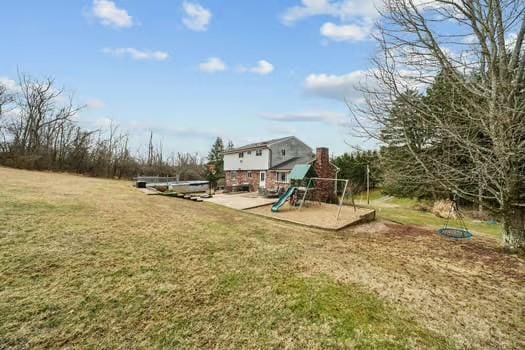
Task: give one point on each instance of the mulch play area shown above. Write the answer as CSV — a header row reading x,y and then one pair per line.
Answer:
x,y
318,215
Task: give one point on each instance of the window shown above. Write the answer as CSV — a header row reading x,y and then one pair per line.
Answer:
x,y
283,152
263,176
241,155
249,153
250,174
258,152
282,177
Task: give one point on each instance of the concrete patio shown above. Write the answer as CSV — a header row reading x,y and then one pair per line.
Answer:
x,y
322,216
240,201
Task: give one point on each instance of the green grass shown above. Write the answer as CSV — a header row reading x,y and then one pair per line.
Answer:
x,y
402,210
375,194
356,318
409,216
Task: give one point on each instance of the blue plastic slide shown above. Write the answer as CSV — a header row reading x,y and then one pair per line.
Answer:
x,y
283,199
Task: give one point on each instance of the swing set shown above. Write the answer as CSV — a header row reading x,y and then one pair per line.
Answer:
x,y
310,188
455,233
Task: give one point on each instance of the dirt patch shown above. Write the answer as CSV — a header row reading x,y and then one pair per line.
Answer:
x,y
374,228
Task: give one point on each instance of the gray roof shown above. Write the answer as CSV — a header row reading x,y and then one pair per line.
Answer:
x,y
290,163
255,145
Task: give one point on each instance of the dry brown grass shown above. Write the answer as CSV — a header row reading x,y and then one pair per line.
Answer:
x,y
442,209
95,263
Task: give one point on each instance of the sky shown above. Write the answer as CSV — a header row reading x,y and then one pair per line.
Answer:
x,y
190,71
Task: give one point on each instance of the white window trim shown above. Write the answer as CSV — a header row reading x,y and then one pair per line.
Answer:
x,y
279,177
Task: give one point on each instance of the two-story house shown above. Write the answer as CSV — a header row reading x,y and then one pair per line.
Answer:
x,y
264,165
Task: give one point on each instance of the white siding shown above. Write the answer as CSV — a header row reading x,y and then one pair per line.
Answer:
x,y
248,162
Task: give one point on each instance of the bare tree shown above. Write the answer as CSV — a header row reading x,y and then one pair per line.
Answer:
x,y
475,144
188,166
7,99
38,130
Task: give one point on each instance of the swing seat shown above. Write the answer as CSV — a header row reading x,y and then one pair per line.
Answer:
x,y
454,233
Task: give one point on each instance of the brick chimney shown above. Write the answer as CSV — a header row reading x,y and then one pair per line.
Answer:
x,y
323,168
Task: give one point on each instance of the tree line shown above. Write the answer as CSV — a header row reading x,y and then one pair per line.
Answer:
x,y
353,166
39,130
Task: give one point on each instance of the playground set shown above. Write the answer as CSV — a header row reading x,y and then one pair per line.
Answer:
x,y
316,202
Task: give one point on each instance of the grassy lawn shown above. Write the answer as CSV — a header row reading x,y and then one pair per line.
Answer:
x,y
93,263
402,210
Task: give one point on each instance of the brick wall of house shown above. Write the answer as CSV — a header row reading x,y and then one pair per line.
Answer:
x,y
324,189
241,177
324,169
273,184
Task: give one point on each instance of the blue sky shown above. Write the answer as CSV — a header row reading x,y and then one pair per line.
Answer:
x,y
244,70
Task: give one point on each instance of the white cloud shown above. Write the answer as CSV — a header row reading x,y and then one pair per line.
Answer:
x,y
356,17
171,131
110,15
136,54
138,127
510,40
326,117
95,104
351,32
343,10
469,39
281,129
196,18
337,87
263,67
213,65
103,123
10,85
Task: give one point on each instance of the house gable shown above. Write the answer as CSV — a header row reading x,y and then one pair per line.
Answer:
x,y
287,149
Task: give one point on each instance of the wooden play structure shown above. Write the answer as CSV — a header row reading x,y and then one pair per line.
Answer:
x,y
307,187
310,187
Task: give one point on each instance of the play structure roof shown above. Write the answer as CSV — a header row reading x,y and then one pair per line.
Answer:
x,y
300,171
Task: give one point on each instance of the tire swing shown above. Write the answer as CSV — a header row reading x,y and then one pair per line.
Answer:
x,y
451,232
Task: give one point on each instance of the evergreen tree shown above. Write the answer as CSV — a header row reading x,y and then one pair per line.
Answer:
x,y
353,167
402,179
406,131
215,168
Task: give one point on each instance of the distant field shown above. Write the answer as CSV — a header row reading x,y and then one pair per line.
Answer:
x,y
93,263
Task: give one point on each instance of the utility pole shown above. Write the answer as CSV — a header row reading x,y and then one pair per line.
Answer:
x,y
367,184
